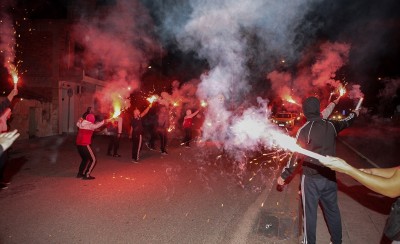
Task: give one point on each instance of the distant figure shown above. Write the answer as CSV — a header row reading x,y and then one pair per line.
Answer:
x,y
150,125
187,126
83,142
136,132
114,128
162,128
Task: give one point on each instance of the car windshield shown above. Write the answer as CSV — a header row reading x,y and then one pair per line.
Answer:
x,y
283,116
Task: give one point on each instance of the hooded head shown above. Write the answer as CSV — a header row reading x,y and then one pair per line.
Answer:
x,y
311,108
90,118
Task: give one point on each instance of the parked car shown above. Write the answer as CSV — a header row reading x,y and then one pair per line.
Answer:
x,y
336,116
284,119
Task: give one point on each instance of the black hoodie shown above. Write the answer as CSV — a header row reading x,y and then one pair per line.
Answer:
x,y
317,135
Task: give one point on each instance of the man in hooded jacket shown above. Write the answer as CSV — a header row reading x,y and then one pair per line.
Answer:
x,y
86,127
318,183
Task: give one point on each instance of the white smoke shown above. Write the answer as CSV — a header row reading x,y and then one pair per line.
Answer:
x,y
7,37
218,31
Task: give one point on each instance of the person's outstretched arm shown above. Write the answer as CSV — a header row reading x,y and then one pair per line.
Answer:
x,y
146,110
192,114
388,186
329,109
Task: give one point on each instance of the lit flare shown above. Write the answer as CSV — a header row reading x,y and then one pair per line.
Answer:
x,y
289,143
117,110
359,103
152,99
289,99
342,90
14,75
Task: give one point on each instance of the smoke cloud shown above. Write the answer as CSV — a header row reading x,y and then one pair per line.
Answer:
x,y
223,32
7,37
119,40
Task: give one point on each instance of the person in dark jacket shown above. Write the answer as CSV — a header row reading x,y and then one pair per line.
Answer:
x,y
136,132
162,128
83,142
318,183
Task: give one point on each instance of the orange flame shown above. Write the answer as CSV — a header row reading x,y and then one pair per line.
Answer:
x,y
342,90
289,99
117,110
14,75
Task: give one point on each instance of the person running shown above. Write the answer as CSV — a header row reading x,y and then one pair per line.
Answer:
x,y
136,132
83,142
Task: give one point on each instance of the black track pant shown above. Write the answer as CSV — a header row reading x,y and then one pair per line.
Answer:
x,y
3,163
188,136
113,145
88,160
315,189
163,140
136,146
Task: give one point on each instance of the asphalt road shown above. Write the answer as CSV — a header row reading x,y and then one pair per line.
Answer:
x,y
195,195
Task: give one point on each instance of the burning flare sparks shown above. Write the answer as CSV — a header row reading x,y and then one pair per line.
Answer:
x,y
14,75
342,90
152,98
289,143
289,99
117,110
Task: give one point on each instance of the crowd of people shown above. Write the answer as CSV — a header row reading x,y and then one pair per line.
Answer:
x,y
114,126
318,134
